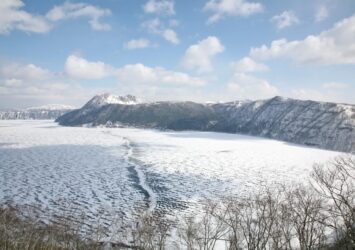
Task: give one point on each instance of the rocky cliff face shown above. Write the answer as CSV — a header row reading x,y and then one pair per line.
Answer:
x,y
320,124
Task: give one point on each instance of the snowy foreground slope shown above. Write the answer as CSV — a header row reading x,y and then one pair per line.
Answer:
x,y
319,124
116,173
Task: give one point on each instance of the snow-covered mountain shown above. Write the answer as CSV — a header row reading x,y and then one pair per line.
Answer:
x,y
321,124
47,112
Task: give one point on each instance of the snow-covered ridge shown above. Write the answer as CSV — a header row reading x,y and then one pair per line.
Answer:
x,y
106,98
318,124
46,112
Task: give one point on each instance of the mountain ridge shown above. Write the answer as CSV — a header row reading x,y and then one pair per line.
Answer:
x,y
320,124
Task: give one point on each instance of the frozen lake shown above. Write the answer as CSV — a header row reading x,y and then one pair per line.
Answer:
x,y
122,171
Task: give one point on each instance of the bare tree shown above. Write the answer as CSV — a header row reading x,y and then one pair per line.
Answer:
x,y
232,220
257,219
335,182
188,233
250,221
282,232
307,218
150,232
213,228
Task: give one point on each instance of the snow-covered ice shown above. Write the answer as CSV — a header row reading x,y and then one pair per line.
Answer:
x,y
122,171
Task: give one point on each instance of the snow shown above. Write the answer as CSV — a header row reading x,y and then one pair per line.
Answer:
x,y
123,171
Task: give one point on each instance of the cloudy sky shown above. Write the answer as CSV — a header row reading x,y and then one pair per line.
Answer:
x,y
57,51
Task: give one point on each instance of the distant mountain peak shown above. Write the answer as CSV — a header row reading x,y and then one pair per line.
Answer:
x,y
107,98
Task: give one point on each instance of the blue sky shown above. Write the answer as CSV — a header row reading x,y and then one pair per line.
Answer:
x,y
59,51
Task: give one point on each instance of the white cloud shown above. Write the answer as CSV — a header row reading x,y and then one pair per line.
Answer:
x,y
308,94
223,8
285,19
141,74
171,36
80,68
328,92
155,26
13,83
12,17
244,86
23,85
199,56
249,65
34,94
140,43
319,94
165,7
30,85
75,10
20,71
334,46
173,23
335,85
14,75
321,13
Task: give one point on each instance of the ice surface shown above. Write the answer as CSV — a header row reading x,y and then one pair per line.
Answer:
x,y
123,170
59,168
